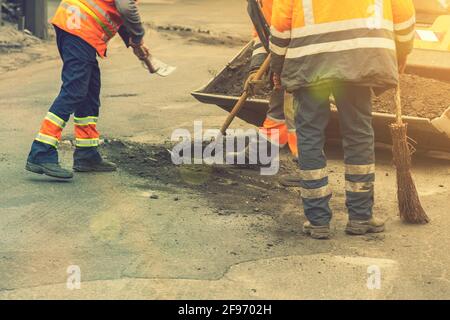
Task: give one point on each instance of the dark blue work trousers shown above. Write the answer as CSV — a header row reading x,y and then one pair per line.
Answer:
x,y
79,95
354,106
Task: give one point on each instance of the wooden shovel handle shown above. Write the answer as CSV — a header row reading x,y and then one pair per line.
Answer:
x,y
258,76
149,65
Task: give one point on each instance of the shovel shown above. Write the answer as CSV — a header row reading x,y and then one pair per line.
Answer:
x,y
158,67
443,123
245,95
153,65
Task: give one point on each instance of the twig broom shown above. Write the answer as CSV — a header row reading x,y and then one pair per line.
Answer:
x,y
411,210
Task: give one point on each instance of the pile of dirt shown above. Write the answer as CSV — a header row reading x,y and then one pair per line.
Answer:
x,y
229,189
12,40
421,97
197,35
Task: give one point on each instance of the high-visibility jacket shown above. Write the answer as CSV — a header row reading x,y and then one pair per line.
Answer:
x,y
94,21
259,52
327,41
280,130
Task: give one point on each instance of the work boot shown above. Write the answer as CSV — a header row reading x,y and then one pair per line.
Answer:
x,y
317,232
94,166
49,169
358,227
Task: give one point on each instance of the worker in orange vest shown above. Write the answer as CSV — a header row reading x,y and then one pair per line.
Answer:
x,y
278,127
83,29
347,49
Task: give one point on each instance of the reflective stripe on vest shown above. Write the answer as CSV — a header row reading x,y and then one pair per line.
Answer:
x,y
93,15
308,10
336,36
104,14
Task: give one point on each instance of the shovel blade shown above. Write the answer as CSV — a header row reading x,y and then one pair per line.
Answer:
x,y
443,123
162,69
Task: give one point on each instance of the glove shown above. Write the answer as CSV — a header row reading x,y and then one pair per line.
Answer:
x,y
276,81
140,50
254,86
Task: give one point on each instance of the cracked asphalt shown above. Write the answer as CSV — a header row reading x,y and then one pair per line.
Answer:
x,y
129,245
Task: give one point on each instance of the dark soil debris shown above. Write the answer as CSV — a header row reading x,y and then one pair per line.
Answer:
x,y
246,187
421,97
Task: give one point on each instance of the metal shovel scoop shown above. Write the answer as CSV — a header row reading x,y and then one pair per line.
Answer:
x,y
443,123
156,66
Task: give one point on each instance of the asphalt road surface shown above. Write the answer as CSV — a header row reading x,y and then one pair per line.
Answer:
x,y
132,235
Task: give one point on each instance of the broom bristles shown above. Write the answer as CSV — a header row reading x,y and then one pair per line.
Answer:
x,y
411,210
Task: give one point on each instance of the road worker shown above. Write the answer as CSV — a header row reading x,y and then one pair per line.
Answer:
x,y
83,29
343,48
278,127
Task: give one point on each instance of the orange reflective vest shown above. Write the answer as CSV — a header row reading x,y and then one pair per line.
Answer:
x,y
94,21
328,41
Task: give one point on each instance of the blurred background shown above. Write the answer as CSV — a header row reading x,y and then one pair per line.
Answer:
x,y
32,15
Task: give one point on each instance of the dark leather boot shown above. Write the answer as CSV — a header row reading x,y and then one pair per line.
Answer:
x,y
90,166
49,169
355,227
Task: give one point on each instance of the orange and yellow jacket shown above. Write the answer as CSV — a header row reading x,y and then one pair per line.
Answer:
x,y
97,21
317,42
259,52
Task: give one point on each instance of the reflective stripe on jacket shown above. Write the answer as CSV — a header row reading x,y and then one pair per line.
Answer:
x,y
94,21
323,41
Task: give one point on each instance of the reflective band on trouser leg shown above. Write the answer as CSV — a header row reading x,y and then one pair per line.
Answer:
x,y
87,143
316,194
85,121
275,132
53,118
86,132
51,130
47,140
359,186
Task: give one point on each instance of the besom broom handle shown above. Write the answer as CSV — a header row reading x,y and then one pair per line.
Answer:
x,y
262,70
398,104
